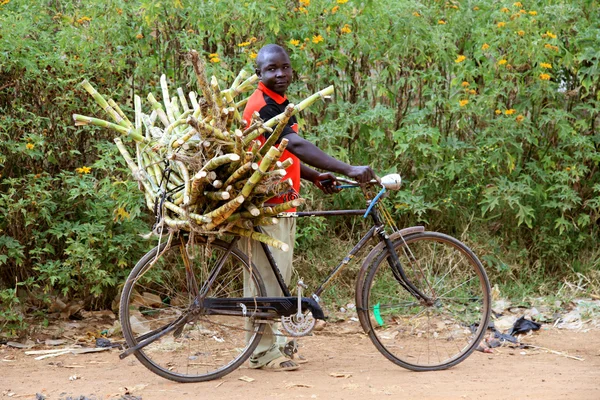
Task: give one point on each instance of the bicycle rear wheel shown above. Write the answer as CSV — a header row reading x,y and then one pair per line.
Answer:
x,y
156,296
408,331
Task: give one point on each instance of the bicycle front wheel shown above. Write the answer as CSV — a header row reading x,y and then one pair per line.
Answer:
x,y
158,295
442,331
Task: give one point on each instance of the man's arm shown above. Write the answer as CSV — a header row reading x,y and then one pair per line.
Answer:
x,y
310,154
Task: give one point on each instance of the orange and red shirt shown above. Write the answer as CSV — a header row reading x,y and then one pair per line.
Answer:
x,y
270,104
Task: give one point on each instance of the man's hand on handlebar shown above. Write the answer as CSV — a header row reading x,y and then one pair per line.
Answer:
x,y
327,183
362,174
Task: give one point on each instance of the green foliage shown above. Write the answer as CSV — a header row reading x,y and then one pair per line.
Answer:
x,y
489,110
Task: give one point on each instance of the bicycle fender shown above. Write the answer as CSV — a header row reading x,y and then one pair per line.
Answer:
x,y
362,313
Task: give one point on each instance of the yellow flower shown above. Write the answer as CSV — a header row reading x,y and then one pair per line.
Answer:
x,y
441,22
215,60
243,44
213,55
550,34
533,13
498,112
463,103
501,24
303,10
83,170
521,33
475,8
460,59
518,4
546,65
119,11
83,20
510,111
522,12
505,10
294,42
305,3
335,9
30,146
342,1
346,29
252,39
253,55
416,14
465,84
318,38
472,91
519,118
502,62
121,214
4,2
545,77
485,46
139,36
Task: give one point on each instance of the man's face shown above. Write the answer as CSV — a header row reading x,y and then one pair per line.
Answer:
x,y
275,72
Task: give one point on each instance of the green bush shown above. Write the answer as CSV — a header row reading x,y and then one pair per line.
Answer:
x,y
489,110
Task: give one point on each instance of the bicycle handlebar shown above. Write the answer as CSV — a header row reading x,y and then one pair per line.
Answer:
x,y
390,182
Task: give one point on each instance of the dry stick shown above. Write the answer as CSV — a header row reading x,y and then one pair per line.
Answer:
x,y
199,70
560,353
104,104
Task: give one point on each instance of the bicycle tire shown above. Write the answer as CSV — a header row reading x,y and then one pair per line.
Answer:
x,y
415,335
155,295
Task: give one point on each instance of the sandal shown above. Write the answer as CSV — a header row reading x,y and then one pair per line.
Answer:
x,y
278,364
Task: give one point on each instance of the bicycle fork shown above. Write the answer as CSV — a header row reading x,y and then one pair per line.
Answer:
x,y
398,271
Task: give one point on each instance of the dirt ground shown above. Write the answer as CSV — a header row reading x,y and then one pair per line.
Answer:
x,y
343,364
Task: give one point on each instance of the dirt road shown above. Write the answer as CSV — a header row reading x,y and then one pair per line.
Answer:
x,y
343,365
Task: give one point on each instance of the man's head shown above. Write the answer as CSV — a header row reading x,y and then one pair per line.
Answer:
x,y
274,68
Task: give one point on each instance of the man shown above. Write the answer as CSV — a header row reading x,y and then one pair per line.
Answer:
x,y
274,70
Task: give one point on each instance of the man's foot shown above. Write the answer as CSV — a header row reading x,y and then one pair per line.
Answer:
x,y
280,363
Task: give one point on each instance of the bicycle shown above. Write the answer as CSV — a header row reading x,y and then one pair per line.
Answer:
x,y
422,297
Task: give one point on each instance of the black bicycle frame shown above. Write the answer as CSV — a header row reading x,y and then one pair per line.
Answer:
x,y
377,228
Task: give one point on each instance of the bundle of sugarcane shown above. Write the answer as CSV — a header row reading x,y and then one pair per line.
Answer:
x,y
199,164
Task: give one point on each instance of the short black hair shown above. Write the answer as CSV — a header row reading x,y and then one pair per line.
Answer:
x,y
268,49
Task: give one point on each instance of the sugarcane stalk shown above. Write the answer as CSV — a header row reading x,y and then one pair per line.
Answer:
x,y
242,75
104,104
116,107
241,172
251,208
259,173
209,130
261,237
217,195
274,210
222,213
183,100
166,98
157,107
81,120
272,139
